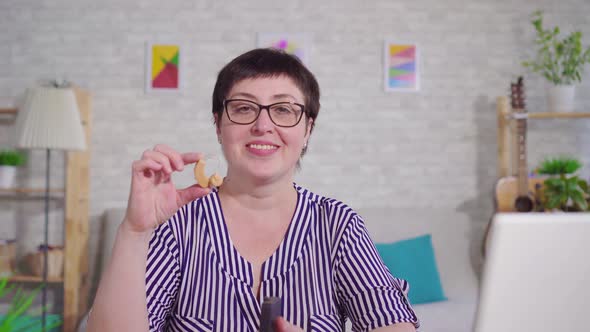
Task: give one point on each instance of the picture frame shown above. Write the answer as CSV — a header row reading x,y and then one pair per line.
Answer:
x,y
401,68
292,43
163,67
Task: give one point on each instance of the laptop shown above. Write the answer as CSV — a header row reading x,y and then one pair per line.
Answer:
x,y
536,277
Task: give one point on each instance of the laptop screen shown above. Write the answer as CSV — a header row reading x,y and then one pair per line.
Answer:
x,y
537,274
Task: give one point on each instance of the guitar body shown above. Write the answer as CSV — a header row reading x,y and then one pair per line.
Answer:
x,y
507,198
506,194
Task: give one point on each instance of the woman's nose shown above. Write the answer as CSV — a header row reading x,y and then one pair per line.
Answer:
x,y
263,123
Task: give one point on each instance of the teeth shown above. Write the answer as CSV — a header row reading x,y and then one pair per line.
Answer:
x,y
262,147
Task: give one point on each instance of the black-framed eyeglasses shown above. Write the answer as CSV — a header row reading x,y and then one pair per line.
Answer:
x,y
283,114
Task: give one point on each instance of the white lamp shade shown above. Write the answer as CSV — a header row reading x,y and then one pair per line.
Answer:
x,y
50,119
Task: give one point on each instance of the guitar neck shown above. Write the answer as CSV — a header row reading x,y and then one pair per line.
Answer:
x,y
521,129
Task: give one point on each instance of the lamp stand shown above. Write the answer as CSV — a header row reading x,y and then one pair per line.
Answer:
x,y
46,240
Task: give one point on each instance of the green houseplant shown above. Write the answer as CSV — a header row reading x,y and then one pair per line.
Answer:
x,y
9,161
563,190
16,318
559,60
11,158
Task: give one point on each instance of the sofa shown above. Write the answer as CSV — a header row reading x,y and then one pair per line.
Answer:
x,y
456,240
455,243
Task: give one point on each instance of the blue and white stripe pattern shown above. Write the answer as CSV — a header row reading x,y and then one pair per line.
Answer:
x,y
325,270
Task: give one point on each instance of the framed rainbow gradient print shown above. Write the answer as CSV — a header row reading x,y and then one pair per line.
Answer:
x,y
401,69
163,67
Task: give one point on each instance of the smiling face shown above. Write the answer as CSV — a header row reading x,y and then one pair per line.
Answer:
x,y
262,150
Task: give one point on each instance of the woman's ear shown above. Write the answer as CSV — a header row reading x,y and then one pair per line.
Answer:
x,y
216,120
308,128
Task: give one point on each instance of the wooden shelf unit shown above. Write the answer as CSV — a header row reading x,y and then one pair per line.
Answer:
x,y
548,115
35,279
31,193
76,283
30,190
77,213
12,111
507,165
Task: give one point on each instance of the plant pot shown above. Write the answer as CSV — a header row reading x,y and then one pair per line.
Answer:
x,y
560,98
7,177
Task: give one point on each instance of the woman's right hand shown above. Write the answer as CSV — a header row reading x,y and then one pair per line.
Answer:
x,y
281,325
153,198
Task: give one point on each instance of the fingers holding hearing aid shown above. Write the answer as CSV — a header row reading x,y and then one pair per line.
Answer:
x,y
168,159
153,196
173,158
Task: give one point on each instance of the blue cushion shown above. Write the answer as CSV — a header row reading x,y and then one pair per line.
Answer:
x,y
413,260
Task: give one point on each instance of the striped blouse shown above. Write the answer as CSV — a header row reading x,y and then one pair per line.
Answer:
x,y
325,270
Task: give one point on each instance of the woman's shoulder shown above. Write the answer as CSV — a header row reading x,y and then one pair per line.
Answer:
x,y
199,202
333,209
203,207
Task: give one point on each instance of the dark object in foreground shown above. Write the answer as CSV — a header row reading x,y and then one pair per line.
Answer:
x,y
272,308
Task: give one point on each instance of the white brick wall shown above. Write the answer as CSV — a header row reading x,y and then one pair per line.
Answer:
x,y
370,148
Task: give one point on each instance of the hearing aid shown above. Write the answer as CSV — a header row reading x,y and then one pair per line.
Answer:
x,y
214,180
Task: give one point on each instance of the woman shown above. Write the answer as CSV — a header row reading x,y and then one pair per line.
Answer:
x,y
217,253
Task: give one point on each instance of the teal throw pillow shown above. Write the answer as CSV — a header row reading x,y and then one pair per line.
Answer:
x,y
413,260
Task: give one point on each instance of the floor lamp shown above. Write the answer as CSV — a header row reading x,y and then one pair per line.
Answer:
x,y
49,120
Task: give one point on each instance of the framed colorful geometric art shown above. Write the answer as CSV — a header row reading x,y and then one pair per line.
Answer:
x,y
292,43
401,69
163,67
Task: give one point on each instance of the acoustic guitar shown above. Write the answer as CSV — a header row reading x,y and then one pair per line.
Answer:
x,y
517,193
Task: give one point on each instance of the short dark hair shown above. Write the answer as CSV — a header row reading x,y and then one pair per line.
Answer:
x,y
267,62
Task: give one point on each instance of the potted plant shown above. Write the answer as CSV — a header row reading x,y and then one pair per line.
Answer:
x,y
17,318
563,190
9,161
560,61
